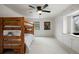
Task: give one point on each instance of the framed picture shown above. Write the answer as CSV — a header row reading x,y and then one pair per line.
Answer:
x,y
37,25
46,25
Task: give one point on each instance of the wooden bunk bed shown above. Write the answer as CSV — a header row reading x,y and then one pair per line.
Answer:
x,y
29,26
11,41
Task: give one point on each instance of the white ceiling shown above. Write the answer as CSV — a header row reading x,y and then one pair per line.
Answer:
x,y
31,13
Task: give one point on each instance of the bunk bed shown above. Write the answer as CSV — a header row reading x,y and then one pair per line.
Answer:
x,y
9,40
13,34
29,26
29,32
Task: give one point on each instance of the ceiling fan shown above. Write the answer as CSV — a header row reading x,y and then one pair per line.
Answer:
x,y
40,9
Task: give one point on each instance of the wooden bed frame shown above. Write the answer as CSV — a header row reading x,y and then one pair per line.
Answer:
x,y
29,26
19,46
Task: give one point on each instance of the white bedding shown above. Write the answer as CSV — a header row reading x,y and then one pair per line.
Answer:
x,y
28,39
15,32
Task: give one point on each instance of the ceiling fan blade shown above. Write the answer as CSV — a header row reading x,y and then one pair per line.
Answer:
x,y
46,11
45,6
32,6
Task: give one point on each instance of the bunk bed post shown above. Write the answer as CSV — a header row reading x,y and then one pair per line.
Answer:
x,y
22,36
32,29
1,35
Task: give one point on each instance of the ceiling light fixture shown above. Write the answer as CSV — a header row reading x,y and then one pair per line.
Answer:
x,y
40,9
39,12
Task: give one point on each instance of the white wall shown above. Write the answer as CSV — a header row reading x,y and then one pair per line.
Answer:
x,y
7,12
42,32
59,19
67,39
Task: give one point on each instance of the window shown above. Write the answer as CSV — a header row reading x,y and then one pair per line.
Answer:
x,y
76,23
37,25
